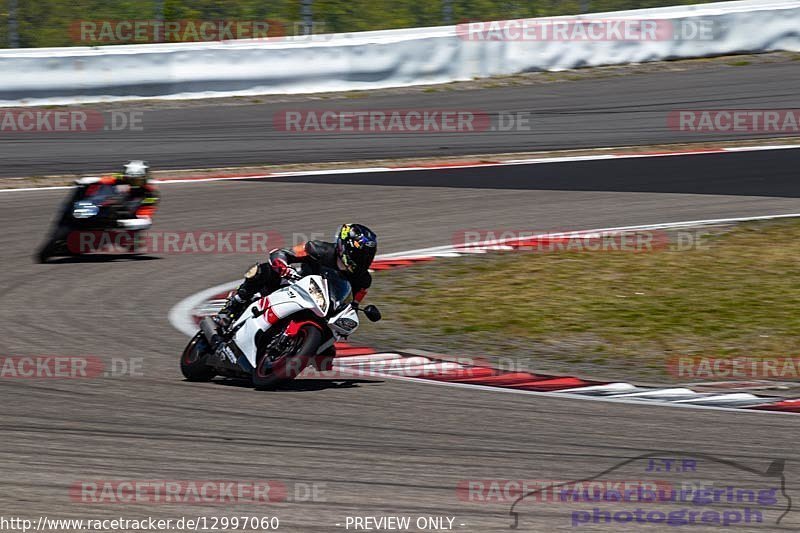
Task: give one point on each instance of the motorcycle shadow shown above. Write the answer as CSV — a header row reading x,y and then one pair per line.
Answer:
x,y
100,258
300,385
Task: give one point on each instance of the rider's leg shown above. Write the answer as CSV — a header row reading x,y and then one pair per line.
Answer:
x,y
260,276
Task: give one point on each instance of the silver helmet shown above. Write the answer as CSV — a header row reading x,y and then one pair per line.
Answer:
x,y
137,172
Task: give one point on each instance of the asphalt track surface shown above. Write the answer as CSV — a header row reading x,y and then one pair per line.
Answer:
x,y
372,447
613,111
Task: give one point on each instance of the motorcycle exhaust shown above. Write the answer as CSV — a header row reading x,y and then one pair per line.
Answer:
x,y
209,329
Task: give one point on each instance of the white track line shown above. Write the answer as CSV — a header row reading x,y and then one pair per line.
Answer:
x,y
443,166
180,316
37,189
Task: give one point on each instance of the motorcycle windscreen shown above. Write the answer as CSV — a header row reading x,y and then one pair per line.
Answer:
x,y
340,291
99,193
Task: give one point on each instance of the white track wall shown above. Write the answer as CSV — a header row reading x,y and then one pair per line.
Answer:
x,y
370,60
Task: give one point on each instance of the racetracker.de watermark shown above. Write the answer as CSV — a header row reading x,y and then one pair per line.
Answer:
x,y
195,492
488,491
37,120
381,365
399,121
139,31
175,242
713,368
735,121
69,367
589,30
638,241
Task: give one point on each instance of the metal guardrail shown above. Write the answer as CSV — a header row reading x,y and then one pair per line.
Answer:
x,y
379,59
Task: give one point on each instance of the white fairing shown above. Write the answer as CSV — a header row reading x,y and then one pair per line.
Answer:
x,y
135,223
308,293
344,323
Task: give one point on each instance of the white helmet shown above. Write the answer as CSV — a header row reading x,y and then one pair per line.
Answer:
x,y
137,172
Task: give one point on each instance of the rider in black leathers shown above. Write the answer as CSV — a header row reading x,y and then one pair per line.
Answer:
x,y
351,255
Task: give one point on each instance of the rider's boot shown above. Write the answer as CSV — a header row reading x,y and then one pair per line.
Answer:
x,y
233,307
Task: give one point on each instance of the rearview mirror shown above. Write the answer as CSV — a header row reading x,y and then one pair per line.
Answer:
x,y
372,313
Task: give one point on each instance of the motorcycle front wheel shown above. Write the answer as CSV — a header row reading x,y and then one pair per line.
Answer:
x,y
272,371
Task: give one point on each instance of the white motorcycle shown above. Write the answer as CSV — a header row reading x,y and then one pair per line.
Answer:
x,y
278,335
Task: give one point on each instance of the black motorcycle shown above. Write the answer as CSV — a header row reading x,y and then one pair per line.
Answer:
x,y
90,219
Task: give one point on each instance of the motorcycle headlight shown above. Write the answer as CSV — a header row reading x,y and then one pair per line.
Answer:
x,y
84,210
316,293
346,324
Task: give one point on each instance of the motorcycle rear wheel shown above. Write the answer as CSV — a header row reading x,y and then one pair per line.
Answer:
x,y
193,360
55,246
47,251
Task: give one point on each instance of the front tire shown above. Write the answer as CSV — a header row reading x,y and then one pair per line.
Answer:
x,y
271,372
193,360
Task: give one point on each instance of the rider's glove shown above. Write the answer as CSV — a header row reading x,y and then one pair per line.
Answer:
x,y
282,268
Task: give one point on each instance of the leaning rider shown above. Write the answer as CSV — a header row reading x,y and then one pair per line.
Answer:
x,y
139,196
351,255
